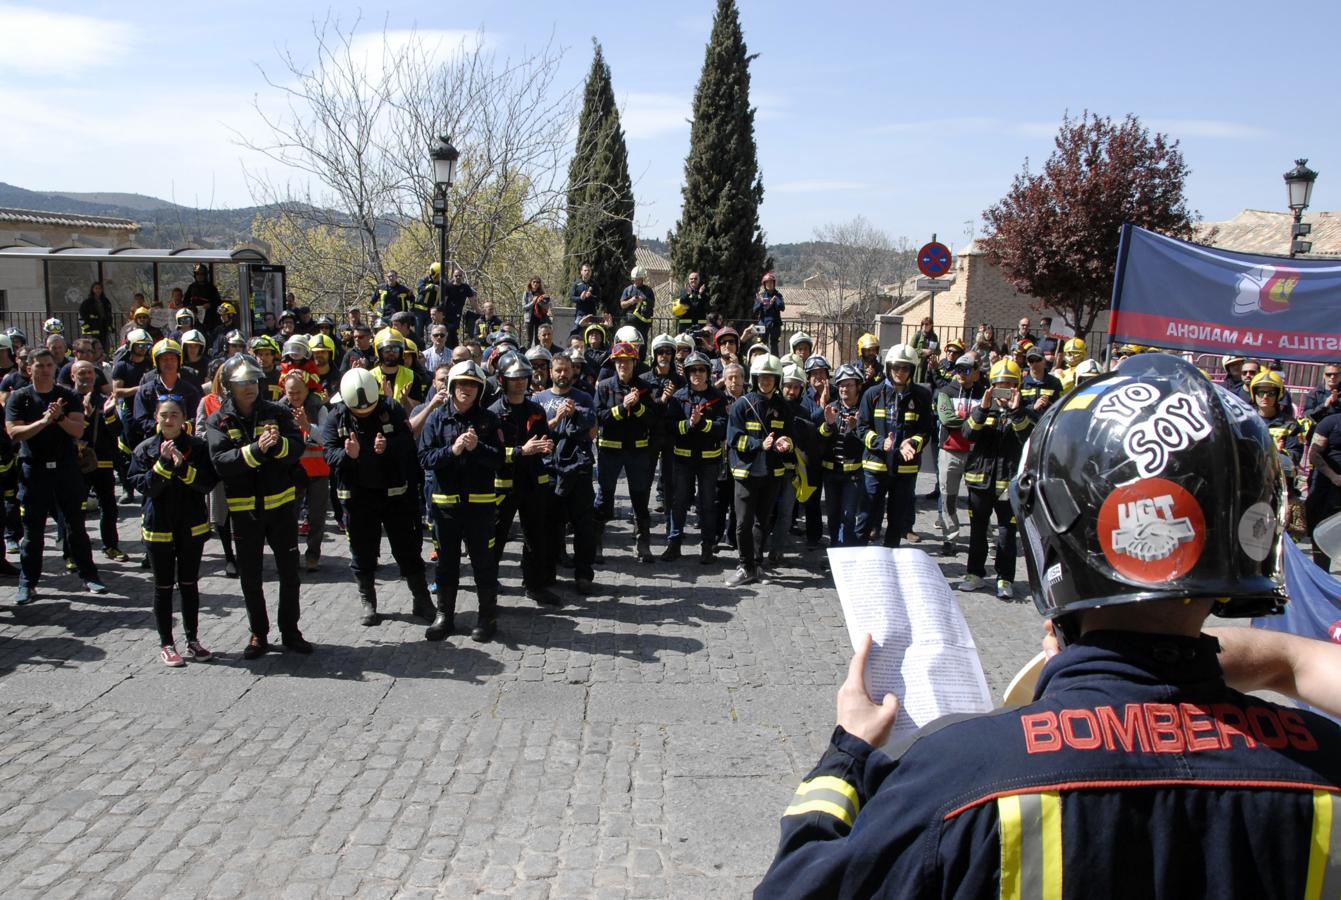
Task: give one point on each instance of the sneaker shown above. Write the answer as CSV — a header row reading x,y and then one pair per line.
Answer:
x,y
198,651
256,647
71,565
912,538
971,583
948,548
11,546
116,554
303,529
25,595
741,576
1004,590
94,586
230,568
171,658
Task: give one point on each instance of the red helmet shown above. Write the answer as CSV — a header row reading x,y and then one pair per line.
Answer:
x,y
624,350
725,332
768,276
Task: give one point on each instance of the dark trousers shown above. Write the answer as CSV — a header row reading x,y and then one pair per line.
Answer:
x,y
843,499
535,504
1324,500
662,455
694,479
251,533
891,496
364,524
814,507
756,503
102,481
637,468
472,524
44,493
176,562
573,504
726,509
982,504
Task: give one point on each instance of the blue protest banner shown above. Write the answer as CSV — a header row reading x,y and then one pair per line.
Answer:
x,y
1185,296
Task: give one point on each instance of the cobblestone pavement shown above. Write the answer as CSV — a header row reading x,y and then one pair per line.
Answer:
x,y
641,743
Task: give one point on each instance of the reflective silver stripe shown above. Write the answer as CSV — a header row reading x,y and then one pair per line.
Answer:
x,y
1324,857
1031,846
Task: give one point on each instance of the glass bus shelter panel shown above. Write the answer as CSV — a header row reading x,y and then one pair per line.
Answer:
x,y
68,283
120,281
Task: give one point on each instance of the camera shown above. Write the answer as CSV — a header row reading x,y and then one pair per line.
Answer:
x,y
760,330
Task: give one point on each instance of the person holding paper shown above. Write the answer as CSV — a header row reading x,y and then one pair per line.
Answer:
x,y
1135,533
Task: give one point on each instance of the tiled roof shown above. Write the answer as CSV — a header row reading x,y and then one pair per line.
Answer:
x,y
1267,231
66,220
651,260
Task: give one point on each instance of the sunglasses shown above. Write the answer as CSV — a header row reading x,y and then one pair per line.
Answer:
x,y
963,370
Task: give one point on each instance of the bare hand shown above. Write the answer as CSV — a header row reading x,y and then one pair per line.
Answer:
x,y
55,409
1015,398
889,442
988,399
695,416
168,451
352,447
268,438
537,444
439,398
858,715
379,444
768,441
565,410
908,450
1042,403
831,415
630,400
404,393
356,362
300,419
667,391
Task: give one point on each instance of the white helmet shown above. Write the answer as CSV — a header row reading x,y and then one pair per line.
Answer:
x,y
358,389
466,370
901,354
663,342
139,336
638,272
792,372
628,333
800,338
53,326
539,353
765,364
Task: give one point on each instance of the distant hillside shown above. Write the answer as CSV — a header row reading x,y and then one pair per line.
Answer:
x,y
162,224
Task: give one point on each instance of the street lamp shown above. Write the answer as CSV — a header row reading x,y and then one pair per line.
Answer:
x,y
444,157
1299,185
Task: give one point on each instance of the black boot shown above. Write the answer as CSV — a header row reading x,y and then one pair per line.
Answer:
x,y
487,623
423,600
442,622
644,548
672,551
600,546
368,596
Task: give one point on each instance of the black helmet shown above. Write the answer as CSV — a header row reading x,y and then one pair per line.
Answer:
x,y
514,365
1151,484
241,368
697,359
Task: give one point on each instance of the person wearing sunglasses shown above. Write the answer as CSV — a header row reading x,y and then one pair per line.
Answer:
x,y
954,401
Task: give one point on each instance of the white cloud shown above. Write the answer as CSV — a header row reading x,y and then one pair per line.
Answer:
x,y
816,186
369,47
37,42
649,115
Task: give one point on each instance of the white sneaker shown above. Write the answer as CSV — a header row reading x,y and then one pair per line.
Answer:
x,y
971,583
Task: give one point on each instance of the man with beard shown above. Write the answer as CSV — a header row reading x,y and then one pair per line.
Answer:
x,y
572,425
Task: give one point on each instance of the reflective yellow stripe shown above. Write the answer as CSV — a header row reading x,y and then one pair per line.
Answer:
x,y
102,464
273,501
123,446
397,491
283,448
754,426
199,530
609,444
1031,846
975,477
503,483
161,469
639,444
742,442
826,794
507,454
249,457
879,412
241,504
1324,856
446,499
543,479
910,469
682,452
639,409
482,498
617,412
871,440
712,454
235,433
874,465
741,473
156,537
343,494
189,476
683,426
975,425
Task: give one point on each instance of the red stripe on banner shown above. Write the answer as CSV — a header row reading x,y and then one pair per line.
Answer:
x,y
1186,334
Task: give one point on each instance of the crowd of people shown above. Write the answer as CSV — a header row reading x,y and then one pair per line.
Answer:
x,y
431,419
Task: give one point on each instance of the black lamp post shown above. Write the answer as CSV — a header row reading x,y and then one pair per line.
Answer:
x,y
1299,184
444,157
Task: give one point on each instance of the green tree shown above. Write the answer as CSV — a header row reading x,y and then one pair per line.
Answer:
x,y
599,225
323,267
718,234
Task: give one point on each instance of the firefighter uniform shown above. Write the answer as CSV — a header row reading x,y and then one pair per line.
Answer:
x,y
696,458
464,505
523,487
175,524
840,461
570,465
259,489
1219,794
390,299
996,437
890,480
377,492
625,446
757,473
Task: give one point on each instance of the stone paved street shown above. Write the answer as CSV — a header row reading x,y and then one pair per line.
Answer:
x,y
641,743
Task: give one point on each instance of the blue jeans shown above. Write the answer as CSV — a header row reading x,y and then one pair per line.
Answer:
x,y
694,477
843,499
894,498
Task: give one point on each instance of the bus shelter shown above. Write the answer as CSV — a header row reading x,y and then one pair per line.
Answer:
x,y
40,282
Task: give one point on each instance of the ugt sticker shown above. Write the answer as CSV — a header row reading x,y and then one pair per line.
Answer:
x,y
1152,530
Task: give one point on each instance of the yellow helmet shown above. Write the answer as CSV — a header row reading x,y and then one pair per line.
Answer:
x,y
1075,345
1268,380
166,345
435,268
1005,370
866,342
679,308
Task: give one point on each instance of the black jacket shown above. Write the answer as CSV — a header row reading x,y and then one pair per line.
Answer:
x,y
468,479
255,481
372,478
174,496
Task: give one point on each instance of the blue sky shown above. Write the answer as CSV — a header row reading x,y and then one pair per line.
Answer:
x,y
912,115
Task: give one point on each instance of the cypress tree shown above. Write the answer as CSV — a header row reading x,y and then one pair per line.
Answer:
x,y
718,234
599,225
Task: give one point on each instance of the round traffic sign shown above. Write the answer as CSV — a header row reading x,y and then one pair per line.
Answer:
x,y
933,260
